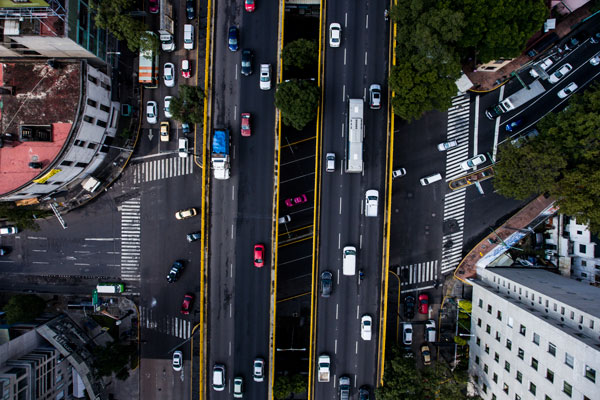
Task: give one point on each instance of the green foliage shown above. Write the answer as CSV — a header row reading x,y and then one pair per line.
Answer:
x,y
298,101
113,16
188,106
22,216
282,388
299,383
465,305
460,341
114,358
300,54
563,161
24,308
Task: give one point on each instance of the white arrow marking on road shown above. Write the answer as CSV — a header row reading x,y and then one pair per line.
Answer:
x,y
150,135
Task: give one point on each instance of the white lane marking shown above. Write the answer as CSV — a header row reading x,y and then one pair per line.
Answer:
x,y
338,276
360,242
339,241
233,192
229,348
231,270
346,20
344,56
39,262
230,310
366,58
343,129
334,350
343,93
497,129
81,251
81,264
357,311
236,74
340,205
476,125
337,308
39,251
96,239
232,231
356,347
367,21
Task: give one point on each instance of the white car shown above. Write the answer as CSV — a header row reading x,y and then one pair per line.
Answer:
x,y
371,203
9,230
151,112
397,173
558,75
177,360
265,76
167,104
183,147
375,96
543,65
473,162
258,370
238,387
447,145
595,60
335,34
366,324
169,74
218,377
330,159
407,334
571,87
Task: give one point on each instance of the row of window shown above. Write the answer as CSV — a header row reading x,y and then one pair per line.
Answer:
x,y
94,103
96,82
91,120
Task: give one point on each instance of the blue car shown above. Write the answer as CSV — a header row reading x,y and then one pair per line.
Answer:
x,y
514,125
233,38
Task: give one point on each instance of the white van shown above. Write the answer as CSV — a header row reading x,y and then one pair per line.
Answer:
x,y
430,179
188,37
330,166
349,260
430,331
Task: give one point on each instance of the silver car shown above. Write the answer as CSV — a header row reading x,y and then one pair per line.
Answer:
x,y
447,145
151,112
169,74
558,75
473,162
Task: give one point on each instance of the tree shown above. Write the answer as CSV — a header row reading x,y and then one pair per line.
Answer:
x,y
282,388
498,29
298,101
188,106
300,54
114,16
22,216
299,383
114,358
24,308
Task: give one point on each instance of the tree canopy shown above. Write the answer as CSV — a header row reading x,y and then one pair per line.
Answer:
x,y
562,161
298,101
114,358
22,216
300,54
24,308
188,105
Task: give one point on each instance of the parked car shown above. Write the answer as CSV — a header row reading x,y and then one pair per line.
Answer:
x,y
510,127
151,112
175,271
35,165
375,97
428,180
407,333
186,70
363,393
330,162
326,283
265,77
571,87
188,36
185,128
426,354
232,38
183,150
447,145
177,360
169,74
558,75
366,325
259,255
192,237
218,377
423,303
165,127
397,173
294,201
245,126
285,219
238,387
153,7
473,162
409,307
258,370
9,230
167,104
187,213
247,62
190,12
335,34
543,65
249,5
187,304
595,60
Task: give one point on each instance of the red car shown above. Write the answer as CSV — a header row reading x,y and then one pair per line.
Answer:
x,y
246,130
259,255
188,302
423,303
296,200
186,71
153,6
249,4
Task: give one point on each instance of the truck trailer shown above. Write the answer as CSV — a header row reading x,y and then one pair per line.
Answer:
x,y
516,100
166,29
220,154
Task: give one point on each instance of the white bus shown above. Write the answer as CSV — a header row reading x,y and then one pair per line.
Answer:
x,y
354,161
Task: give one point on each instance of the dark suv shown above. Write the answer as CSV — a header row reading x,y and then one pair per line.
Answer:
x,y
409,307
189,9
246,62
175,272
326,284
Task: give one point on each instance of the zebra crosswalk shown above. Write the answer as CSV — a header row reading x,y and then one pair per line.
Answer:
x,y
162,168
454,215
458,128
168,325
418,273
130,240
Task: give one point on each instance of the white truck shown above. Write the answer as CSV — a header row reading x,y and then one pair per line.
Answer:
x,y
324,364
516,100
371,203
220,154
166,29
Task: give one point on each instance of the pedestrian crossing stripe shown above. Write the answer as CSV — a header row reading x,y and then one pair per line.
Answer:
x,y
130,242
419,272
163,168
168,325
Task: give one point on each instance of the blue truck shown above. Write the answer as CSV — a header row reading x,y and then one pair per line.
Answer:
x,y
220,154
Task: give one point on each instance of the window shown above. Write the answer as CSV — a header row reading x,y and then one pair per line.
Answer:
x,y
478,341
495,378
104,108
550,375
532,387
101,123
590,373
81,165
480,303
487,349
67,163
493,396
517,397
552,349
567,389
88,119
547,397
92,145
520,376
583,263
489,308
91,102
591,324
569,360
507,366
505,388
92,79
79,143
497,336
488,329
509,344
477,360
484,388
536,338
534,363
582,248
509,322
521,353
496,357
572,314
522,330
479,322
485,368
499,315
562,311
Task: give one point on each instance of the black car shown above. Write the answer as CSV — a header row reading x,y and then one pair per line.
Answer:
x,y
232,39
185,127
409,307
326,284
189,9
192,237
175,272
246,62
363,393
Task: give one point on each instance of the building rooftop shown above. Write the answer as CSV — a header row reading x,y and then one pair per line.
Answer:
x,y
43,100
